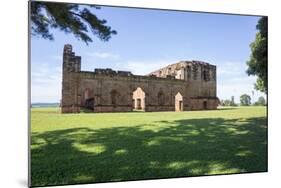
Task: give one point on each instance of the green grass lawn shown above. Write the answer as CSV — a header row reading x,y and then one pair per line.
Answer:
x,y
101,147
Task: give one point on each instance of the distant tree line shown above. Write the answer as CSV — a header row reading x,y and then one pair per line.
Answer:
x,y
261,102
245,100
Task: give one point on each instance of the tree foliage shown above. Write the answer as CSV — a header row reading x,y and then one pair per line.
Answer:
x,y
261,101
225,102
257,65
70,18
228,102
232,102
245,100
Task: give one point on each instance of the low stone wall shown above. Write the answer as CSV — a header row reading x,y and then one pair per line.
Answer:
x,y
203,104
111,108
158,108
70,109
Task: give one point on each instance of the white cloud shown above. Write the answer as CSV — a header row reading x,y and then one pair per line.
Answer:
x,y
46,82
225,91
104,55
57,57
231,69
145,67
232,80
116,62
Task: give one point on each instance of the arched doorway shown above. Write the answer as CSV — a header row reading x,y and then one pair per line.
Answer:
x,y
205,105
161,98
178,102
89,101
139,100
114,95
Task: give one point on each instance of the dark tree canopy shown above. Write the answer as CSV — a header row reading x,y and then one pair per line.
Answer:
x,y
70,18
245,100
257,65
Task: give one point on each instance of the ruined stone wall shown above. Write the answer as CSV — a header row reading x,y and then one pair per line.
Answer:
x,y
105,90
201,76
173,70
203,103
116,92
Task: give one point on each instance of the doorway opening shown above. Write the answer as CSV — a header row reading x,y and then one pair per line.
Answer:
x,y
205,105
89,101
178,102
139,100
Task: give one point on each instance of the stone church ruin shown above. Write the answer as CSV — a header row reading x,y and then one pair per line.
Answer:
x,y
186,85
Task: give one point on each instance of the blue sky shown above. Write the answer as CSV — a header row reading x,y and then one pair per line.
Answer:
x,y
148,40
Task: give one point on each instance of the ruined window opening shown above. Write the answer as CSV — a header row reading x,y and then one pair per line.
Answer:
x,y
161,98
133,103
169,70
188,70
214,75
195,72
205,75
87,93
90,103
114,97
89,100
205,105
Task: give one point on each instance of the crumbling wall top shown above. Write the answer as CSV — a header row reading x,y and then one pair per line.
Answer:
x,y
112,72
67,49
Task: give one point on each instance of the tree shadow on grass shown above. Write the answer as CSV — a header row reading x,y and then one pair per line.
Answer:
x,y
189,147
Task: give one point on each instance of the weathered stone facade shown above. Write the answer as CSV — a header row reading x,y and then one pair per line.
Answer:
x,y
187,85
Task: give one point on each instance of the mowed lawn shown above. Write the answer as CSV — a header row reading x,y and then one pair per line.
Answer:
x,y
101,147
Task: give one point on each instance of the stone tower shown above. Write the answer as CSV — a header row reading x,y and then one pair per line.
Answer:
x,y
71,65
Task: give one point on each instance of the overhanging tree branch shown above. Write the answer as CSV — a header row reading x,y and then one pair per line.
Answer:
x,y
70,18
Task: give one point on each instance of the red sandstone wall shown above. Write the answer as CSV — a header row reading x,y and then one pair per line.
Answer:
x,y
114,92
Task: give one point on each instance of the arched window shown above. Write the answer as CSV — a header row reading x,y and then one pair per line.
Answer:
x,y
206,75
87,93
90,103
161,98
169,70
205,105
89,100
113,95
